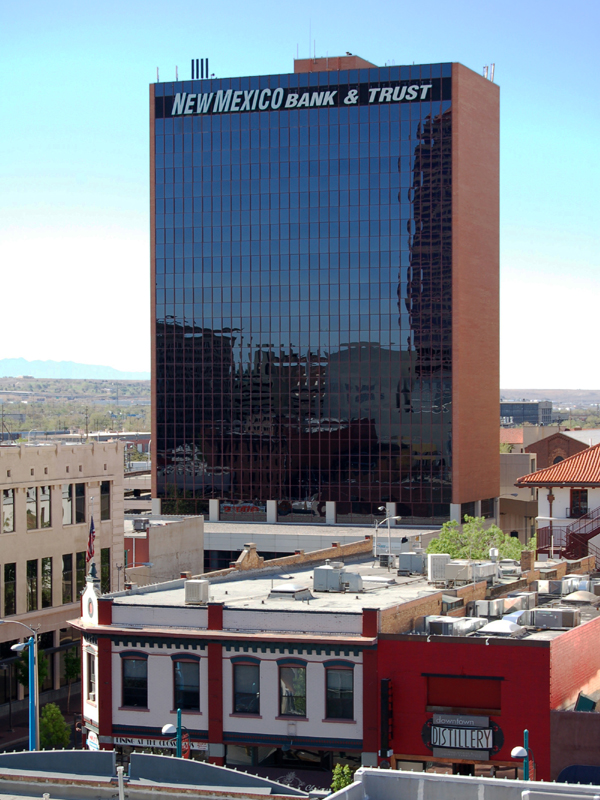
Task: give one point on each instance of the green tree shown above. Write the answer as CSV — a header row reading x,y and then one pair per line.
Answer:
x,y
473,540
342,777
54,731
72,672
22,668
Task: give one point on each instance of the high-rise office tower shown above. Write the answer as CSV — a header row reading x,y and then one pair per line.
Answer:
x,y
325,292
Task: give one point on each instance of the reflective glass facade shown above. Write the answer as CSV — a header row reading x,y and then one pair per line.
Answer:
x,y
303,266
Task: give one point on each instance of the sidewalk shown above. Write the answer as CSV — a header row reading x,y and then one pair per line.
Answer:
x,y
18,737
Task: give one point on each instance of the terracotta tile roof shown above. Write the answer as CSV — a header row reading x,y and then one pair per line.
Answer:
x,y
511,435
582,469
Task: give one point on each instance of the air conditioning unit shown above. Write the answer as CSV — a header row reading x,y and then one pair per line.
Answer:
x,y
556,617
388,560
328,578
453,626
141,524
436,565
413,563
484,570
459,571
489,608
352,581
196,592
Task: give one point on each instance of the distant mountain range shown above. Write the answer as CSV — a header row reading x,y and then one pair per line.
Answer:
x,y
15,367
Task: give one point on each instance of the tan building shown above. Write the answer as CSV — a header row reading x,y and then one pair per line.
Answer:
x,y
49,492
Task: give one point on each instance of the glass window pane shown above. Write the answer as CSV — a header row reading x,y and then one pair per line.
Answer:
x,y
292,691
67,503
79,503
10,589
187,685
105,500
8,510
32,585
46,582
340,690
44,497
32,508
246,679
67,578
135,682
79,572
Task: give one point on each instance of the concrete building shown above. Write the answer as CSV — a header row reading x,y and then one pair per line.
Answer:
x,y
533,412
49,493
517,507
161,548
324,250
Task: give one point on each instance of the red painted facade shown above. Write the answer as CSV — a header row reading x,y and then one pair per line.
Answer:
x,y
535,677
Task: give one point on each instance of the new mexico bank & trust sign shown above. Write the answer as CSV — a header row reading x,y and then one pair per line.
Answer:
x,y
233,101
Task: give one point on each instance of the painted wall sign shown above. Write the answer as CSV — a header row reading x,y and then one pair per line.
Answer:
x,y
137,741
234,101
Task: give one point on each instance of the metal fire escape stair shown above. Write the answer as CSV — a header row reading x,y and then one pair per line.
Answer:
x,y
573,540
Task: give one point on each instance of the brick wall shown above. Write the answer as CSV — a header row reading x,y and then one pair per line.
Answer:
x,y
574,664
402,618
250,560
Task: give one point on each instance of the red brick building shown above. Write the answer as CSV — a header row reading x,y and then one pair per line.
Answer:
x,y
507,684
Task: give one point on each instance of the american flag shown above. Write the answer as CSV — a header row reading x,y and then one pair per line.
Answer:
x,y
90,547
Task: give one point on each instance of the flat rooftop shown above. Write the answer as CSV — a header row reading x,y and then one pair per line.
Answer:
x,y
381,589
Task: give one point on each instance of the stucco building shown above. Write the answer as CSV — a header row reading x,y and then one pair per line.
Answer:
x,y
49,493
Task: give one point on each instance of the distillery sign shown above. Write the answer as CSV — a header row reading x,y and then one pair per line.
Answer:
x,y
234,101
453,734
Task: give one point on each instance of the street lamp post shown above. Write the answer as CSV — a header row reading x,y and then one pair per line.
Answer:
x,y
377,524
524,753
34,689
170,729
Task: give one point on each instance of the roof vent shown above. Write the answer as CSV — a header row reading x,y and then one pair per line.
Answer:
x,y
196,592
290,591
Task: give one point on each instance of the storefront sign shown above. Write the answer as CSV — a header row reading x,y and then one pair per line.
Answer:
x,y
455,736
234,101
137,741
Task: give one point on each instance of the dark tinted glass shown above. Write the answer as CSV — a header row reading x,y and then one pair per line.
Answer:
x,y
187,685
246,689
135,682
304,302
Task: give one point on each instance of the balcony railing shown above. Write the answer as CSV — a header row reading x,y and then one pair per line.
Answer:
x,y
576,512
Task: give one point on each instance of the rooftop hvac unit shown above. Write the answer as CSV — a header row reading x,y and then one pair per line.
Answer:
x,y
514,603
570,584
484,570
334,578
529,598
141,524
196,592
556,617
412,562
489,608
387,560
509,567
520,617
459,571
453,626
436,564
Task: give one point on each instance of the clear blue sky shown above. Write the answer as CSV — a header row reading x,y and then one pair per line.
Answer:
x,y
74,163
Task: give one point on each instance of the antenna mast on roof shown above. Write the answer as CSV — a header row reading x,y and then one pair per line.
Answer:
x,y
176,73
492,68
157,77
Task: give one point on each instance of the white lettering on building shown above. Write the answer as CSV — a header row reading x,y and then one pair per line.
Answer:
x,y
230,101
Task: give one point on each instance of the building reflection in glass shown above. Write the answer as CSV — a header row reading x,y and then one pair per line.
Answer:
x,y
303,300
